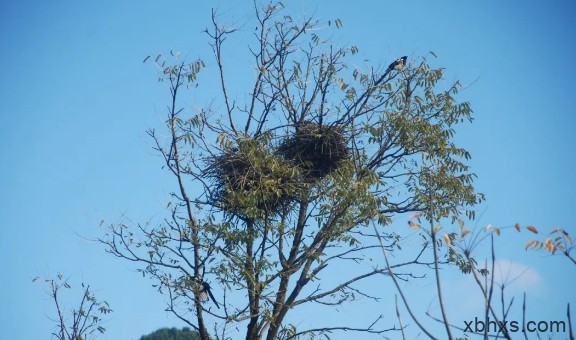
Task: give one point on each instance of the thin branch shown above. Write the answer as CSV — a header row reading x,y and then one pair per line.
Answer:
x,y
433,234
344,328
569,322
398,316
406,305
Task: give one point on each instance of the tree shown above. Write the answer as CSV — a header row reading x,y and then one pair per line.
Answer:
x,y
86,319
274,190
172,334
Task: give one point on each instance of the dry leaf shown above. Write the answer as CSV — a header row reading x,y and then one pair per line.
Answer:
x,y
550,245
532,229
461,224
416,215
530,244
447,239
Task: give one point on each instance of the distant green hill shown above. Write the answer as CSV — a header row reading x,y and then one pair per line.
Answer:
x,y
172,334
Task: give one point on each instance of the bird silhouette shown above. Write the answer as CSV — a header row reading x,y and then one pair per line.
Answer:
x,y
398,64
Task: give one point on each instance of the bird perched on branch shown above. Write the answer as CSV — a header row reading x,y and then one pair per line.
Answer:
x,y
398,64
205,293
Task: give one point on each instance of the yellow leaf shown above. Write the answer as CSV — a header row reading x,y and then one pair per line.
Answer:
x,y
550,246
532,229
464,233
447,239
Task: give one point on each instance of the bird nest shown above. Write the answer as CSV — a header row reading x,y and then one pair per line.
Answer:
x,y
317,150
250,181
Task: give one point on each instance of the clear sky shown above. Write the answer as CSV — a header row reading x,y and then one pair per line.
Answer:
x,y
75,101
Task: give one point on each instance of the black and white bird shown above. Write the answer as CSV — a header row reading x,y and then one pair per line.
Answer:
x,y
205,293
398,64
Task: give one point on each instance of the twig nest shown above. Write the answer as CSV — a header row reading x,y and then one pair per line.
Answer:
x,y
250,181
317,150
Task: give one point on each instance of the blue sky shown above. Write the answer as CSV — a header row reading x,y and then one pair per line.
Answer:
x,y
75,101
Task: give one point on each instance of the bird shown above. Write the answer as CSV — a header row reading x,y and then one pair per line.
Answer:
x,y
205,293
398,64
